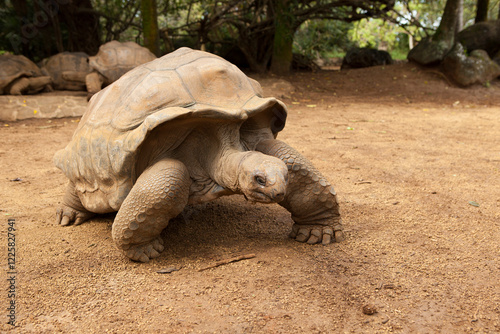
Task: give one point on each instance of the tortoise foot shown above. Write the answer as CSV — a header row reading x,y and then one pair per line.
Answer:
x,y
315,234
145,252
67,215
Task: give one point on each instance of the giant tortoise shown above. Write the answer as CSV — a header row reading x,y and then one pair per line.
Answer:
x,y
68,70
19,75
187,128
113,60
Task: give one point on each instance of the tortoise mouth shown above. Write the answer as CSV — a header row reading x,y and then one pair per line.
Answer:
x,y
258,197
261,197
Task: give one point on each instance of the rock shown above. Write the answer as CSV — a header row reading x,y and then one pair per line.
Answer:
x,y
365,57
481,36
369,309
429,51
468,70
496,58
304,63
47,105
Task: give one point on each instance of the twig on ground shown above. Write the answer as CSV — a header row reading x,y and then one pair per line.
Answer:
x,y
474,317
442,75
234,259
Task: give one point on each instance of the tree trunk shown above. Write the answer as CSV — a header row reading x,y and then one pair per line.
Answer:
x,y
482,11
460,17
433,49
83,26
446,29
257,63
47,33
283,38
150,26
21,9
257,46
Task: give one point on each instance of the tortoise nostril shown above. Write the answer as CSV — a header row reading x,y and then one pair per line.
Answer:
x,y
279,196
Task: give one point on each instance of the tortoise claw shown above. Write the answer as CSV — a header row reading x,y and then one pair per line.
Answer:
x,y
66,216
315,234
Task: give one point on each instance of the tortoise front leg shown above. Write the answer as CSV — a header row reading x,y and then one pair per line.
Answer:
x,y
94,82
160,193
310,198
72,211
38,83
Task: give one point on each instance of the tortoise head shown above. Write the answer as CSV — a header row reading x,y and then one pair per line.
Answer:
x,y
262,178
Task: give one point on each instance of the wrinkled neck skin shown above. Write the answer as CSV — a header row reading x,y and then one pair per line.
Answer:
x,y
224,163
211,151
261,178
218,162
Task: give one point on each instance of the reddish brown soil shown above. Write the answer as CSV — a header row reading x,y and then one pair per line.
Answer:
x,y
407,153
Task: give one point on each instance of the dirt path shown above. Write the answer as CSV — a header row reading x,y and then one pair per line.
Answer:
x,y
416,164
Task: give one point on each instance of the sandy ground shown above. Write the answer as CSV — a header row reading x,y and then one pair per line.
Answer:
x,y
415,163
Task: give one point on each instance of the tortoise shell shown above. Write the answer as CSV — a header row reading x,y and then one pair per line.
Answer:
x,y
64,62
115,59
185,84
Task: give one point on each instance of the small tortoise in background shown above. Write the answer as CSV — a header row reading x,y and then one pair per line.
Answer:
x,y
67,70
113,60
187,128
19,75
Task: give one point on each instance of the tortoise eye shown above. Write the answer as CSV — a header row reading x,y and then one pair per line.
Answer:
x,y
260,180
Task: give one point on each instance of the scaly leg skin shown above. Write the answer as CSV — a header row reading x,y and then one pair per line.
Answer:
x,y
27,85
20,86
94,82
310,198
72,210
160,193
39,83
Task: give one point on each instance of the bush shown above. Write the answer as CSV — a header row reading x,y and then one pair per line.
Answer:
x,y
322,39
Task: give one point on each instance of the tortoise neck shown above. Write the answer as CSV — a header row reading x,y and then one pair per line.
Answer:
x,y
229,168
229,156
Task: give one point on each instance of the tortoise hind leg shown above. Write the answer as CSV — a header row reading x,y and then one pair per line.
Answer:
x,y
26,85
310,198
72,209
160,193
20,86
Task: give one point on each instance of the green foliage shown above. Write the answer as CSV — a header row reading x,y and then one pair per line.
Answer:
x,y
321,28
20,35
399,54
413,17
375,33
322,38
119,20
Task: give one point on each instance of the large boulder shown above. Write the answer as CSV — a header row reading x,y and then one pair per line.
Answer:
x,y
496,58
365,57
467,70
430,51
481,36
